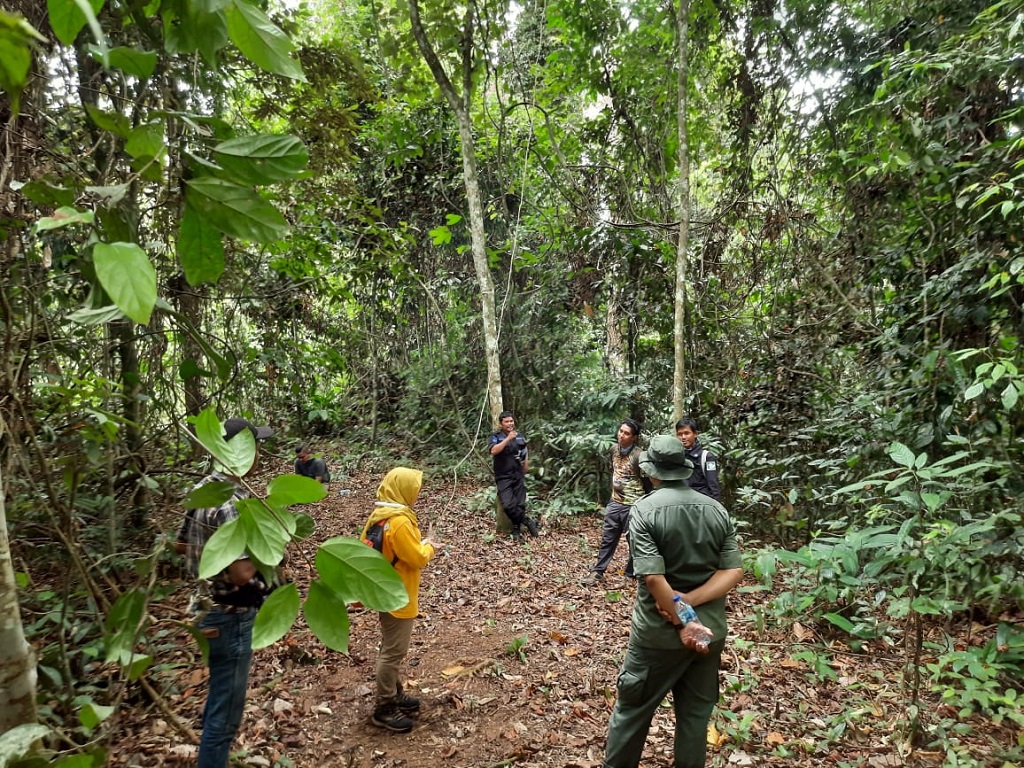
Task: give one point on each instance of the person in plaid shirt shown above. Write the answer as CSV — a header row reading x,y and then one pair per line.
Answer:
x,y
226,607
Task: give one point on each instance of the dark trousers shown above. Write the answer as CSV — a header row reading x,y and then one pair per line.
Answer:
x,y
616,523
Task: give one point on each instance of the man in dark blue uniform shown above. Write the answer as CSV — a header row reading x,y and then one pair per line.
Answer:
x,y
705,466
511,462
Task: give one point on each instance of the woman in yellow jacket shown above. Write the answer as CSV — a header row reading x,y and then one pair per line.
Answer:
x,y
409,552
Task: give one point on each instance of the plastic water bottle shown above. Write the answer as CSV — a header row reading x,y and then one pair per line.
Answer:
x,y
686,614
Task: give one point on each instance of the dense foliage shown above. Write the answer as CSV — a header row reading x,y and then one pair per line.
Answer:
x,y
261,209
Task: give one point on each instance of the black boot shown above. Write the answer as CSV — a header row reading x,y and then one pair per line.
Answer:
x,y
409,705
517,535
391,717
531,526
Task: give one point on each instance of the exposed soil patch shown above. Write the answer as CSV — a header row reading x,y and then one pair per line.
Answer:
x,y
516,664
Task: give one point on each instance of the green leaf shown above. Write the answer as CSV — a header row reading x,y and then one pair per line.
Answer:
x,y
235,210
276,616
286,490
93,317
128,277
902,455
265,536
64,217
146,141
42,192
441,235
974,390
135,664
236,456
304,526
122,624
67,18
17,37
195,30
19,741
1009,396
114,122
92,714
358,573
225,546
200,249
133,61
840,621
262,159
260,40
108,197
209,495
327,617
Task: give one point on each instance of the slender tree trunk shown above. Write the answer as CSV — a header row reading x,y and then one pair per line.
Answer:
x,y
679,378
17,660
460,106
615,352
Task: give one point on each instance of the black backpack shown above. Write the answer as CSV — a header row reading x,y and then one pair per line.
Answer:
x,y
375,538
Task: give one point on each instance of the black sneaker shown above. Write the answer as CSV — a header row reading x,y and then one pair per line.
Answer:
x,y
531,526
391,717
591,578
517,535
410,705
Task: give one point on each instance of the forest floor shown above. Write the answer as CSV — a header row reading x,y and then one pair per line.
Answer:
x,y
516,664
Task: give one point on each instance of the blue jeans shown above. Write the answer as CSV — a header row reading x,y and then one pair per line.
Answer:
x,y
230,659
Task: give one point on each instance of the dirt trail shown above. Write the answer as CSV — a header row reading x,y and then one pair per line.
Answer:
x,y
516,664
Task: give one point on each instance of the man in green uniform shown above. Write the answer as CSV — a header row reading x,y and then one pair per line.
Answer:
x,y
683,543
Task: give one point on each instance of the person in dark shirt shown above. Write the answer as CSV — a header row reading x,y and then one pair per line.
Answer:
x,y
705,466
225,607
511,462
308,466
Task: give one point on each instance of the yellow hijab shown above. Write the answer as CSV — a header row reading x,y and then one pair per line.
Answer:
x,y
396,495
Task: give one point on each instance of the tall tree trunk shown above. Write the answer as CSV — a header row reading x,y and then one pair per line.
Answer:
x,y
460,106
17,661
683,161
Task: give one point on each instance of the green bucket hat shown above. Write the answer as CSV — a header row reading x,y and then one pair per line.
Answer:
x,y
665,459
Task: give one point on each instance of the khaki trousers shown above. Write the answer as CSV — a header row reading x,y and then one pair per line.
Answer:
x,y
395,636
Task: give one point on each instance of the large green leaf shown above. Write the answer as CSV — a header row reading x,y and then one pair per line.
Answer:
x,y
262,159
276,616
327,617
67,18
114,122
902,455
200,249
209,495
225,546
260,40
122,623
133,61
195,30
128,277
16,39
19,740
265,536
146,140
358,573
285,490
235,210
237,455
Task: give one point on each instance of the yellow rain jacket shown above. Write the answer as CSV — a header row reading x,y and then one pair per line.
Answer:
x,y
402,538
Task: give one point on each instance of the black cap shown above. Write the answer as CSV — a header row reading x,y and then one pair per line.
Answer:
x,y
233,426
